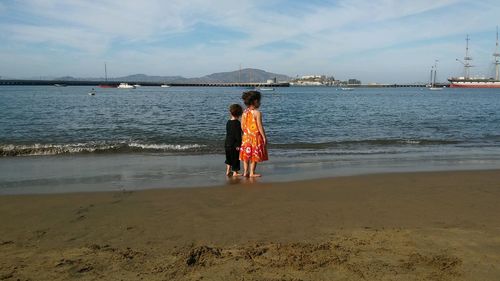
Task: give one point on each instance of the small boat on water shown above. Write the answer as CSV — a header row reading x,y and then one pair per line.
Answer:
x,y
265,89
125,86
137,85
92,92
165,86
106,84
347,89
435,88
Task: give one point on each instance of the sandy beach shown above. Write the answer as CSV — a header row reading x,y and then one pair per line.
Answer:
x,y
400,226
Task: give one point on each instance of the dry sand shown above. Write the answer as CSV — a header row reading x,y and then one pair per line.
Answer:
x,y
408,226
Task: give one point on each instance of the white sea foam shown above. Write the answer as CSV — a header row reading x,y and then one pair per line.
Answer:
x,y
411,141
92,147
166,146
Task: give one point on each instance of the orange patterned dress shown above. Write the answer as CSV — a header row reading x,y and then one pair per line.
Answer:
x,y
252,143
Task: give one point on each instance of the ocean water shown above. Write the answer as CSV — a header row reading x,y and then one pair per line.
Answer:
x,y
312,131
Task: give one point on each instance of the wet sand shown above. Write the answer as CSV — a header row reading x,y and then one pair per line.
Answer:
x,y
401,226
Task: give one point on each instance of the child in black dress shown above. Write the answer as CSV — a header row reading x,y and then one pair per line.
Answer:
x,y
233,141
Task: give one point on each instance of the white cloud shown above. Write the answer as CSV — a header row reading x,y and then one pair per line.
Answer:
x,y
66,36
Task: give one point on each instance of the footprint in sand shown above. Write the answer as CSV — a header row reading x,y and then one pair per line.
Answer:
x,y
6,242
81,211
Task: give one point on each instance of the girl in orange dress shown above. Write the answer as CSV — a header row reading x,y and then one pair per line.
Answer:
x,y
253,144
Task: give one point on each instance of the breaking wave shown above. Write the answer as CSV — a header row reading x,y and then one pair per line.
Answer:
x,y
193,148
81,148
365,143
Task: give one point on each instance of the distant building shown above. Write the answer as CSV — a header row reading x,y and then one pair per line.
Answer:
x,y
272,81
308,77
313,80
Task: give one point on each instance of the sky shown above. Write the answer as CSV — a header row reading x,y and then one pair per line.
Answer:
x,y
385,41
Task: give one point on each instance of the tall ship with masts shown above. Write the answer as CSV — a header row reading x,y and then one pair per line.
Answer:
x,y
467,81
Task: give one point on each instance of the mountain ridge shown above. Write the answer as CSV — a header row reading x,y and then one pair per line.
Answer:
x,y
246,75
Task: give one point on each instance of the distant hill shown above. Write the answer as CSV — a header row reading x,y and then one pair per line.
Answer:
x,y
67,78
129,78
245,75
148,78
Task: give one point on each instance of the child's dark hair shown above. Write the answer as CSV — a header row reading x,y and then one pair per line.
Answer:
x,y
250,97
236,110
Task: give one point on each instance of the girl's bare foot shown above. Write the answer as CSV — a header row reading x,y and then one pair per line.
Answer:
x,y
255,175
236,174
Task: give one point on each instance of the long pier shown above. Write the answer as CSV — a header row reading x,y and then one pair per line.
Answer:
x,y
393,85
116,83
19,82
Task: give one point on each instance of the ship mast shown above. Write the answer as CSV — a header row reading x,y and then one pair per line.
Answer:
x,y
435,73
467,59
430,79
105,73
496,55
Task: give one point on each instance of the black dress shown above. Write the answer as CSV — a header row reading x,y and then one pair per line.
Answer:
x,y
233,141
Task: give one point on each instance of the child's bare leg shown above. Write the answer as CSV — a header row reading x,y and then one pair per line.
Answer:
x,y
245,168
253,166
228,170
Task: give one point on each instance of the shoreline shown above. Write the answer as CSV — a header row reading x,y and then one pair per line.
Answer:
x,y
258,183
284,84
397,226
90,173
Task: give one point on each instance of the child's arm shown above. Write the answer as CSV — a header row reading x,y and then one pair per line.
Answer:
x,y
242,123
260,126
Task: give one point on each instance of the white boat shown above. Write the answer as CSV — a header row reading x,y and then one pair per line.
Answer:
x,y
125,86
265,89
435,88
346,89
137,85
165,86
